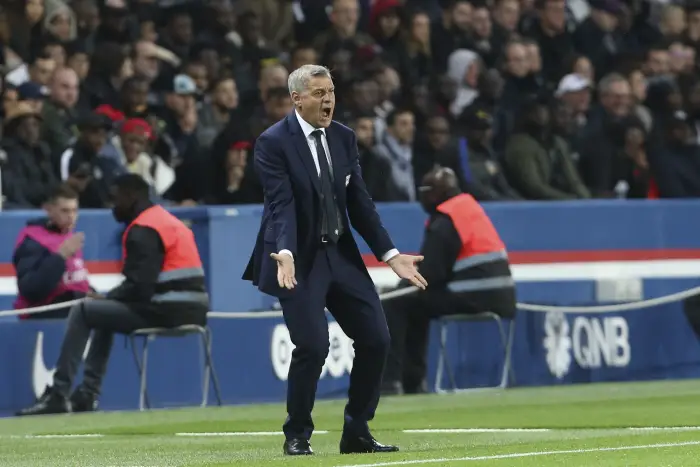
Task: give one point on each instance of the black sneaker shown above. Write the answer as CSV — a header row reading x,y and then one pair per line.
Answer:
x,y
48,403
81,401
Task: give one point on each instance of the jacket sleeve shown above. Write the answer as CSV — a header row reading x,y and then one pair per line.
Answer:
x,y
39,271
144,260
274,177
361,210
440,250
571,173
520,159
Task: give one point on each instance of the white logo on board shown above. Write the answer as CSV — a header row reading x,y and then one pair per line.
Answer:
x,y
594,342
42,377
340,355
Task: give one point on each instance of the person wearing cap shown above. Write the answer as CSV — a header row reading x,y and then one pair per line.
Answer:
x,y
28,176
467,270
83,167
180,117
32,93
575,90
482,173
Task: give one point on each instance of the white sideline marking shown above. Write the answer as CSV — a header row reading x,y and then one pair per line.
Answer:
x,y
481,430
87,435
527,454
243,433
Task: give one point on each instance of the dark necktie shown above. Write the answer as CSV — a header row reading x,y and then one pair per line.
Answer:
x,y
330,225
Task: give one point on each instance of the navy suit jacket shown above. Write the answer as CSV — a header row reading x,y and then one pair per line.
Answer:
x,y
292,215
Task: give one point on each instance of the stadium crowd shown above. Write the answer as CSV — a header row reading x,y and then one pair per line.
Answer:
x,y
523,99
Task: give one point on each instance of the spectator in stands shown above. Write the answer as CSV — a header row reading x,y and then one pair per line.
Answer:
x,y
29,176
555,41
575,91
464,67
178,34
343,33
78,59
48,258
451,33
59,112
538,162
482,35
598,37
215,113
395,147
199,74
374,167
483,175
601,139
302,55
39,70
109,68
418,47
33,94
676,166
84,168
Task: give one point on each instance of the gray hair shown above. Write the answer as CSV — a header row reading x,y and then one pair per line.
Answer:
x,y
299,79
609,80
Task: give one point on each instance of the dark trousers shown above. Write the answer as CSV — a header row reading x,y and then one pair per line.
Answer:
x,y
350,296
409,316
103,318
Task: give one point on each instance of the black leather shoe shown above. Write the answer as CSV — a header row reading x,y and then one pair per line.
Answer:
x,y
81,401
363,445
297,447
49,403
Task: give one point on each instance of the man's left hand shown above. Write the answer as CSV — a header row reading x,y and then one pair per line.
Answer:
x,y
405,267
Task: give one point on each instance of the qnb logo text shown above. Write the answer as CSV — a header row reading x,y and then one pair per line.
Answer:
x,y
340,354
597,342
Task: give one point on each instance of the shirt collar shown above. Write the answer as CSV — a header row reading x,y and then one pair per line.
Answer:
x,y
306,126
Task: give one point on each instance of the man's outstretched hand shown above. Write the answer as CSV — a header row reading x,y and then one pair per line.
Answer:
x,y
285,270
405,267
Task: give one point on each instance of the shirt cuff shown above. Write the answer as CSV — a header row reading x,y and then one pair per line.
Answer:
x,y
286,252
390,254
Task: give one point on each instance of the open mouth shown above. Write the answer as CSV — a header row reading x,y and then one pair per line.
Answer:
x,y
326,112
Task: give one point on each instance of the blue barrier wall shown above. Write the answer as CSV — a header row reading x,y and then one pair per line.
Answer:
x,y
564,253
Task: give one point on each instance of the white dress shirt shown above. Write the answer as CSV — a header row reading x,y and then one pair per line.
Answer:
x,y
311,141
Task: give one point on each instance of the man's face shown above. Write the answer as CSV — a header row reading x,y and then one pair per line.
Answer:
x,y
272,77
40,72
226,94
579,101
180,104
64,88
63,213
518,64
198,73
136,96
403,128
617,99
80,63
462,16
658,63
481,23
57,53
122,205
236,158
345,15
29,130
316,103
364,130
438,132
534,58
554,15
146,64
277,108
366,95
181,29
507,14
95,138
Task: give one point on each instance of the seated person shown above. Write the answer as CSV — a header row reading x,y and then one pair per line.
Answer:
x,y
467,270
163,286
48,257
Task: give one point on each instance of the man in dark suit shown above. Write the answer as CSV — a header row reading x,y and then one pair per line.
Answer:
x,y
306,256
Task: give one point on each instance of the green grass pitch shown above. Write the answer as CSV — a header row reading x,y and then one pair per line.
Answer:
x,y
634,424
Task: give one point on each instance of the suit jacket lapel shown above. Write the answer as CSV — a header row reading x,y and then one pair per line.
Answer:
x,y
302,148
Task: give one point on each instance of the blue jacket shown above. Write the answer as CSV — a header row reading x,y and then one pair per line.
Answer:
x,y
39,271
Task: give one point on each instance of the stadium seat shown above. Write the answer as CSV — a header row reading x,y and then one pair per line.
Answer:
x,y
150,334
508,375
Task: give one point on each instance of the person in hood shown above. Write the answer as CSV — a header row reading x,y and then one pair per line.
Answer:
x,y
48,257
463,68
467,269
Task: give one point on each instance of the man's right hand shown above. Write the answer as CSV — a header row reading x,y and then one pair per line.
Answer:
x,y
72,245
285,270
